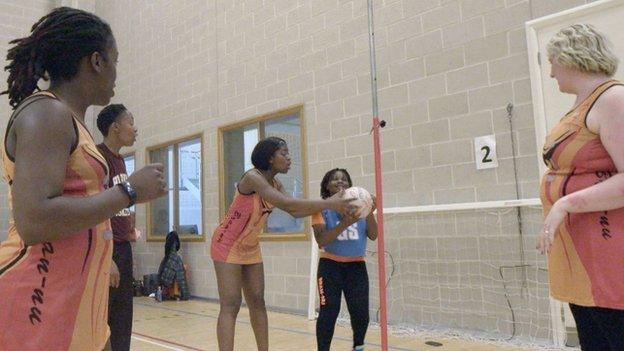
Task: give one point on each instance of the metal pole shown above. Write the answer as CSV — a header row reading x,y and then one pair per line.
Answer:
x,y
383,322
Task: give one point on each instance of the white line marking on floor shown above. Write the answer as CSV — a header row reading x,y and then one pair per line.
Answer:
x,y
156,343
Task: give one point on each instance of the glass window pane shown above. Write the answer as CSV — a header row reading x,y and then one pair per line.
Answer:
x,y
289,129
189,185
237,147
161,210
129,161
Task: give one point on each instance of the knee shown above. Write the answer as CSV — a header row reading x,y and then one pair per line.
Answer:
x,y
255,300
329,312
360,313
230,305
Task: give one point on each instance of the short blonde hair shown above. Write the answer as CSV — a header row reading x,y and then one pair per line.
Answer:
x,y
582,47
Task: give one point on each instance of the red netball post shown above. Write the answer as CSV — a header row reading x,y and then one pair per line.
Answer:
x,y
377,124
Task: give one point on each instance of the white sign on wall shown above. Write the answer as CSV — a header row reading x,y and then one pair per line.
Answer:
x,y
485,152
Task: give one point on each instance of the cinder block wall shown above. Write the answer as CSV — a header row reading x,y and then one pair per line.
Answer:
x,y
446,71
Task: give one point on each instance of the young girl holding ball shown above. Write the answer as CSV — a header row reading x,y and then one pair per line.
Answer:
x,y
342,267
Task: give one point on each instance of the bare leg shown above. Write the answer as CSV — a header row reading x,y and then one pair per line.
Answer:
x,y
253,288
229,281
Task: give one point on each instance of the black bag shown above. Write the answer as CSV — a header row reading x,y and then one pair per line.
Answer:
x,y
150,284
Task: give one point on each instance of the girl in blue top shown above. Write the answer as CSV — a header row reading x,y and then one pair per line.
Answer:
x,y
342,267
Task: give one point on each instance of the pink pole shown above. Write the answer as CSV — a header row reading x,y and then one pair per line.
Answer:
x,y
381,257
381,251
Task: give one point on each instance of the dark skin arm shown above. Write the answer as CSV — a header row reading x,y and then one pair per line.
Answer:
x,y
254,182
324,236
44,135
371,222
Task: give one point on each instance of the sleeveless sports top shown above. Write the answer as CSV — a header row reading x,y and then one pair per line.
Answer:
x,y
235,240
55,294
586,262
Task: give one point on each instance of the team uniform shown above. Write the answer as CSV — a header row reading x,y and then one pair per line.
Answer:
x,y
342,268
120,299
235,240
55,294
586,262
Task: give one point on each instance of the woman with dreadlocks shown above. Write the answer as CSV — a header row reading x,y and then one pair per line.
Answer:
x,y
55,263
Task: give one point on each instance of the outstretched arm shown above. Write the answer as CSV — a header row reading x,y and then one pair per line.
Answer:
x,y
295,207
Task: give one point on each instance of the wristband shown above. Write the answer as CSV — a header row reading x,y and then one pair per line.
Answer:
x,y
128,189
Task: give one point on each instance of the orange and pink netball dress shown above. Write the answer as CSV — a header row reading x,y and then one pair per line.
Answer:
x,y
586,262
55,294
235,240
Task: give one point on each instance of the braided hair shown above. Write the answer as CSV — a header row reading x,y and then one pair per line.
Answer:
x,y
327,178
53,50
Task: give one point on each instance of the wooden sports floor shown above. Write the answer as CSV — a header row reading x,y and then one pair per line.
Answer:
x,y
190,326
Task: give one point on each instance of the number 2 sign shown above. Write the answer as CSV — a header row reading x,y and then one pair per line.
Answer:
x,y
485,152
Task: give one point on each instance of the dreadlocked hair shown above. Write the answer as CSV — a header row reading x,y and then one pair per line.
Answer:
x,y
53,50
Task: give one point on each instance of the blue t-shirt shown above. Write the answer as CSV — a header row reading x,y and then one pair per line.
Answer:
x,y
351,242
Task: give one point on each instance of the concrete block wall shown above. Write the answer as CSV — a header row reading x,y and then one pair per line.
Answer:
x,y
446,71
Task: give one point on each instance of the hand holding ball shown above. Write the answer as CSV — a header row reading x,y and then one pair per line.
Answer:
x,y
363,200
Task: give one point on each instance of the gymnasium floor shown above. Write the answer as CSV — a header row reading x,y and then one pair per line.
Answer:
x,y
190,326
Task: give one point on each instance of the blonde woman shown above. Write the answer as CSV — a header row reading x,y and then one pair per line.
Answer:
x,y
583,190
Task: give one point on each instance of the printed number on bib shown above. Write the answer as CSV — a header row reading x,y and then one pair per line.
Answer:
x,y
350,234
